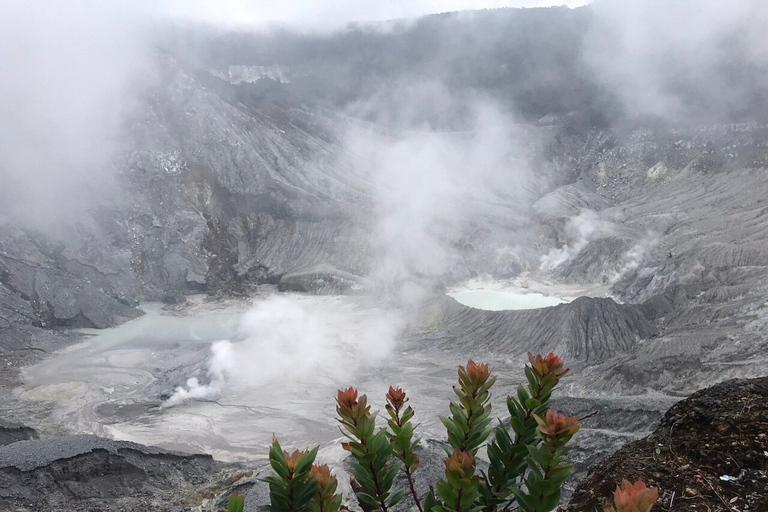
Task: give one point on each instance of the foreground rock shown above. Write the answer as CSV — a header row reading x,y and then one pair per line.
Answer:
x,y
710,452
89,473
13,432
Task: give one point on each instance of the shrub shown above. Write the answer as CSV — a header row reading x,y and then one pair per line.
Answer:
x,y
528,462
292,487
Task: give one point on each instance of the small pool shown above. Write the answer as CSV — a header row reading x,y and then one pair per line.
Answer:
x,y
497,300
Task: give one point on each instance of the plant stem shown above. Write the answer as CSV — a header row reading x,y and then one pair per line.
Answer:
x,y
458,500
407,470
375,475
409,476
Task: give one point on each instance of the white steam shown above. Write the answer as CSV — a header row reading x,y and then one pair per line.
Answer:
x,y
430,184
289,339
579,230
632,259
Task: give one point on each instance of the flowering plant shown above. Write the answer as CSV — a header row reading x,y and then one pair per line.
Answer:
x,y
527,457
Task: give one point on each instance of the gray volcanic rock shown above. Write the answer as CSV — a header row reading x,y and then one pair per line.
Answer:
x,y
13,432
687,245
257,186
568,201
87,473
598,262
322,280
587,330
61,300
36,288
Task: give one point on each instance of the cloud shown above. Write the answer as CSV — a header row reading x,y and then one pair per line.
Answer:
x,y
330,14
70,73
687,60
632,259
73,70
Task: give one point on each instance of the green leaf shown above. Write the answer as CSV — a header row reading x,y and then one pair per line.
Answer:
x,y
453,431
559,474
305,493
532,404
517,425
305,464
367,499
430,501
236,503
396,497
533,380
551,501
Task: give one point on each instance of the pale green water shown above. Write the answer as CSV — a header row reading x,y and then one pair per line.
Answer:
x,y
495,300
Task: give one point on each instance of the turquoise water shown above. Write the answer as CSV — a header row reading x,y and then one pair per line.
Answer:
x,y
495,300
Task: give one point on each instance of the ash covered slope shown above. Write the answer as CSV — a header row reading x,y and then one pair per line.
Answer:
x,y
682,237
214,195
256,184
673,222
587,331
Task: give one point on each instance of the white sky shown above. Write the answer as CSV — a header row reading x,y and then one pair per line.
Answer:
x,y
332,13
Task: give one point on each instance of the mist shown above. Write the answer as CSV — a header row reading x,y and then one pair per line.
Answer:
x,y
285,342
579,231
682,61
72,72
434,177
330,14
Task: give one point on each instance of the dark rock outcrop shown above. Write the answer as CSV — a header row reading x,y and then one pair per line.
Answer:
x,y
710,452
90,473
12,432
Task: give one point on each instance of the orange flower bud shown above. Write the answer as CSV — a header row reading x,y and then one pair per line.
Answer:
x,y
293,459
635,497
474,375
460,464
548,365
350,407
347,398
396,398
322,475
554,424
478,373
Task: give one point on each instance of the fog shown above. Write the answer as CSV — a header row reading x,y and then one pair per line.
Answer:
x,y
329,14
579,231
283,341
682,61
430,184
70,73
74,70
